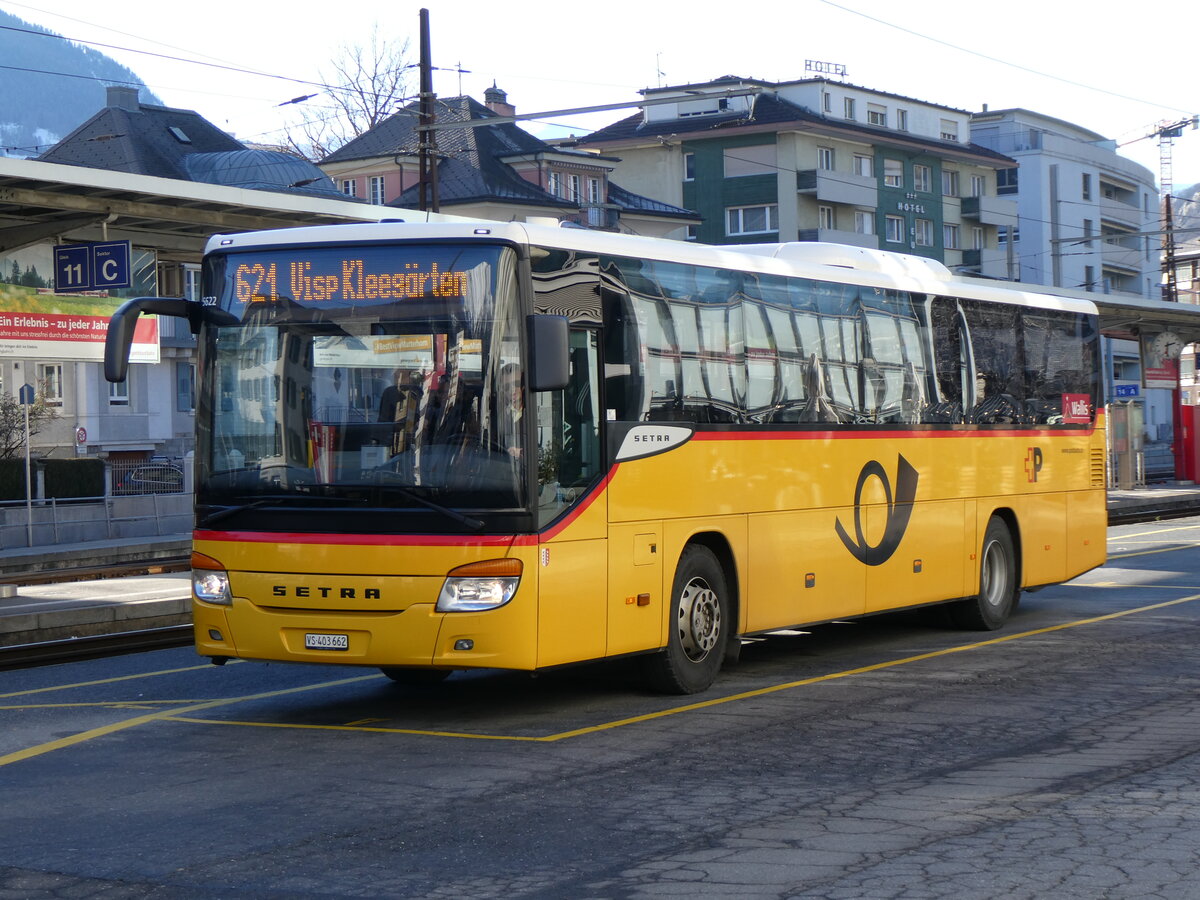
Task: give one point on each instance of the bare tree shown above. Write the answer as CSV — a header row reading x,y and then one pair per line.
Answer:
x,y
12,423
367,84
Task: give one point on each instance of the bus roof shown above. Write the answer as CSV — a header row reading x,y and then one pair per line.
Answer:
x,y
818,261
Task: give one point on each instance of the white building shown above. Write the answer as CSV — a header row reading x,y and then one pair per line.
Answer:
x,y
1087,221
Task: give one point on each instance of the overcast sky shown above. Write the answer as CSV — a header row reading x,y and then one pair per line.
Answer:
x,y
1120,74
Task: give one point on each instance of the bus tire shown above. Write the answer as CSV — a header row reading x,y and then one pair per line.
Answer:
x,y
699,626
415,677
998,585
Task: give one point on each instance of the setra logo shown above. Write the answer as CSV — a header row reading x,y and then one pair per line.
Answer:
x,y
899,511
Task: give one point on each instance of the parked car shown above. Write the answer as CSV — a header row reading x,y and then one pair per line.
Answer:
x,y
155,478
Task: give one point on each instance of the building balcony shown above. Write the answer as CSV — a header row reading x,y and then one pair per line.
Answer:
x,y
991,210
1116,210
834,236
1120,256
838,187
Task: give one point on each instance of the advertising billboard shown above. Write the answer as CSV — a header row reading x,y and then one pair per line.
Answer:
x,y
38,322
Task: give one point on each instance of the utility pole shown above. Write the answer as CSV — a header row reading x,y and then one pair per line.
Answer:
x,y
427,140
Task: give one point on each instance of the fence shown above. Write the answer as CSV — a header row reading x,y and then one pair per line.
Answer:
x,y
145,499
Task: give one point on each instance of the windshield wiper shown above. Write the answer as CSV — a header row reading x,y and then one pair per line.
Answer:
x,y
453,514
272,500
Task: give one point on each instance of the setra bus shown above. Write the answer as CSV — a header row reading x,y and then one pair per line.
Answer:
x,y
437,447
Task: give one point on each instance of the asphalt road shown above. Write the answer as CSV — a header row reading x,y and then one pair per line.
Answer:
x,y
888,758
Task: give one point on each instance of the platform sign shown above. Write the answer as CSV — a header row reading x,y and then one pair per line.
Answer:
x,y
91,267
65,316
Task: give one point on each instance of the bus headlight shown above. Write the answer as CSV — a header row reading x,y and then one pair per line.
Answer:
x,y
210,581
480,586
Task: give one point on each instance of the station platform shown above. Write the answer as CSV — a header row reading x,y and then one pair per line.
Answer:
x,y
48,612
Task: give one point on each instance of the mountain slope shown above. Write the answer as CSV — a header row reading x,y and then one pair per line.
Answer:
x,y
50,86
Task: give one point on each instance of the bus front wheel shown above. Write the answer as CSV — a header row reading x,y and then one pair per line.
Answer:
x,y
998,585
699,626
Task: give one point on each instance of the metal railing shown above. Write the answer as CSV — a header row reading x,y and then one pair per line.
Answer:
x,y
81,519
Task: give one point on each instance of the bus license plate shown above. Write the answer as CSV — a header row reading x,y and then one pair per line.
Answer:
x,y
327,642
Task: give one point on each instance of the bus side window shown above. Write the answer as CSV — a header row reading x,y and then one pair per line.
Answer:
x,y
949,362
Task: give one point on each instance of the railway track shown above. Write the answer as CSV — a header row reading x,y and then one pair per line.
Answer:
x,y
23,656
91,573
44,653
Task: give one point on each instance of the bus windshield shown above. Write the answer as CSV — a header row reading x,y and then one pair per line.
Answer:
x,y
367,378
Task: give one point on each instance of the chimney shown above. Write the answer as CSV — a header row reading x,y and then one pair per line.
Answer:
x,y
497,101
123,98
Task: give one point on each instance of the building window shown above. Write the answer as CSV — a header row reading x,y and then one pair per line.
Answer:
x,y
350,187
1087,230
902,120
743,161
752,219
118,393
185,386
978,186
1008,233
1089,276
375,187
594,190
848,107
922,178
1086,186
977,241
950,237
574,188
865,166
893,173
50,383
689,167
924,233
827,101
825,158
876,115
895,229
864,221
949,130
949,183
825,218
693,233
554,184
1006,181
191,281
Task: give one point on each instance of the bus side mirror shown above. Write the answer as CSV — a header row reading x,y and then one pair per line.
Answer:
x,y
549,369
119,337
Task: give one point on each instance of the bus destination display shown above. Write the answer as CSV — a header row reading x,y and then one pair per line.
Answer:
x,y
341,279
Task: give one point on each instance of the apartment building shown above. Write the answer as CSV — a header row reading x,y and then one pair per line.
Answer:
x,y
817,160
1087,214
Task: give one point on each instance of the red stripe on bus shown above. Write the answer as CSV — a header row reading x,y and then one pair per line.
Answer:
x,y
579,509
368,540
880,435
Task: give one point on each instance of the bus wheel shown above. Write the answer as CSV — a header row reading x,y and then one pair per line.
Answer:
x,y
699,626
998,587
416,677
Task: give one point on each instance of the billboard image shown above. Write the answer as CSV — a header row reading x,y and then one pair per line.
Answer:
x,y
36,322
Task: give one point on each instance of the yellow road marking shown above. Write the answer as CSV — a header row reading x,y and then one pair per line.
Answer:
x,y
703,704
182,714
1151,552
103,730
1125,537
67,687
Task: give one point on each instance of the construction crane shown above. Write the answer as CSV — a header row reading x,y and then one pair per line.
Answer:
x,y
1166,132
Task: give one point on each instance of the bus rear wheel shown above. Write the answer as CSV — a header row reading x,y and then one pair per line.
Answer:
x,y
699,626
999,589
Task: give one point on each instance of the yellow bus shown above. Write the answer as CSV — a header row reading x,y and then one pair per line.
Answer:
x,y
438,447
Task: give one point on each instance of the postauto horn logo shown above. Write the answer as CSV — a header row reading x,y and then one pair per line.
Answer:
x,y
899,511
